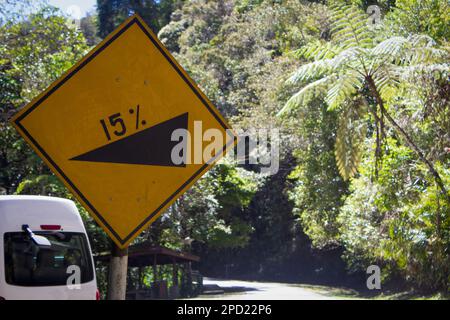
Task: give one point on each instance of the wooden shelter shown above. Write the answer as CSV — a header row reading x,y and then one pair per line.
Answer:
x,y
144,255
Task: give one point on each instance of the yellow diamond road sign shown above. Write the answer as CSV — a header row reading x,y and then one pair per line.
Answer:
x,y
106,128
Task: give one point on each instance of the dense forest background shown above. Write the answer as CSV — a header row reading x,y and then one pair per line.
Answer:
x,y
362,104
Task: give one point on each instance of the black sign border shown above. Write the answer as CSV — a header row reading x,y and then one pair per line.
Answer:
x,y
98,50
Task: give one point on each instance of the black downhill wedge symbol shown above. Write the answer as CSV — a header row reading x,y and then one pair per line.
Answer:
x,y
152,146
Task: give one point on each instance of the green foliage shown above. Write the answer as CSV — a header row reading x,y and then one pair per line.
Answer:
x,y
398,220
232,53
209,211
34,52
319,189
88,26
112,13
431,17
246,5
238,52
42,184
234,189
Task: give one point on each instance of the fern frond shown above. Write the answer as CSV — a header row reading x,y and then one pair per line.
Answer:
x,y
411,73
317,50
348,57
349,141
406,51
422,40
310,71
392,47
386,80
344,88
349,27
419,55
305,94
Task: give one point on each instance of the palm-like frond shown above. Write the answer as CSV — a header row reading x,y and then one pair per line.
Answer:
x,y
391,49
308,92
349,58
345,86
406,51
318,68
310,71
349,28
349,140
422,40
386,80
437,70
425,55
318,50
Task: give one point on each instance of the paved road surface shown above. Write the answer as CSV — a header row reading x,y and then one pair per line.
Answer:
x,y
248,290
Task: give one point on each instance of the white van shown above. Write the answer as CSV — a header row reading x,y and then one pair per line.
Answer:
x,y
44,250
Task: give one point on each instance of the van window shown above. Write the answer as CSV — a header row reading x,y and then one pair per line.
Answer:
x,y
28,265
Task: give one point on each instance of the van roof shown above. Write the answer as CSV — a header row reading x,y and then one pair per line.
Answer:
x,y
32,198
16,210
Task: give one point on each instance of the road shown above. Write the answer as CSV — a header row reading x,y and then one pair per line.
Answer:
x,y
249,290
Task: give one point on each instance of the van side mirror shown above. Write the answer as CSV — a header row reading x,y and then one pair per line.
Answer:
x,y
40,241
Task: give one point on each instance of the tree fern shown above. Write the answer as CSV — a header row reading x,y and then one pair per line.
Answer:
x,y
350,64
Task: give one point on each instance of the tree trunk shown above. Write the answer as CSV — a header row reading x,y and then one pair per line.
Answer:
x,y
408,139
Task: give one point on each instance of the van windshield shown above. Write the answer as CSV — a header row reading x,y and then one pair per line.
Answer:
x,y
29,265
